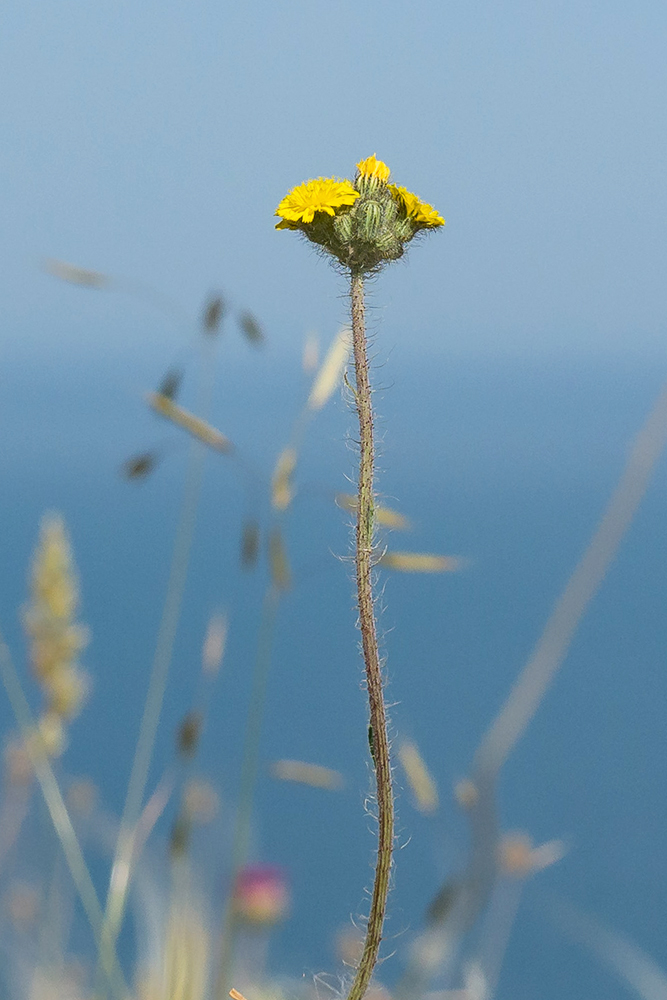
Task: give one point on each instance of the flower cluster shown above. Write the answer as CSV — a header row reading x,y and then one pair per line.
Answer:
x,y
363,225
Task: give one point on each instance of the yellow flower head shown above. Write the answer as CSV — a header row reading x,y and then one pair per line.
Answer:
x,y
372,167
364,225
325,194
416,209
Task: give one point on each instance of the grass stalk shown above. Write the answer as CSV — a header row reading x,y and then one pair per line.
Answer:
x,y
62,823
125,847
372,663
249,772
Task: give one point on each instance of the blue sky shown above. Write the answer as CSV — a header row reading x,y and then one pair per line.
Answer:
x,y
154,140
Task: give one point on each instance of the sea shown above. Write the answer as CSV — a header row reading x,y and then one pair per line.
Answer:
x,y
506,461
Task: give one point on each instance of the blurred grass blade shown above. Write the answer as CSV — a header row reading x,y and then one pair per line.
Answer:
x,y
420,562
76,275
213,314
249,544
282,491
171,383
214,644
637,969
422,785
139,466
385,516
331,370
209,435
251,329
280,571
307,774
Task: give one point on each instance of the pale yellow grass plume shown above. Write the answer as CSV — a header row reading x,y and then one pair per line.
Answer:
x,y
209,435
307,774
385,516
331,370
282,489
56,638
420,562
214,644
76,275
422,784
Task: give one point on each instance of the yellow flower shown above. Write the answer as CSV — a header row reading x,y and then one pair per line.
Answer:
x,y
325,194
421,213
372,167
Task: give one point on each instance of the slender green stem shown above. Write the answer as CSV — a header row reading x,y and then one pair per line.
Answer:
x,y
378,718
125,847
60,818
249,771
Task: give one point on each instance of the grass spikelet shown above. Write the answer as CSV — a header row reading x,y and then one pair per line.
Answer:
x,y
76,275
307,774
171,383
282,490
384,516
420,562
214,644
200,429
251,329
331,370
189,733
235,995
249,544
213,315
279,566
422,785
139,466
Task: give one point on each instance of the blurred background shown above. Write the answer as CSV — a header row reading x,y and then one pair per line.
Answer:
x,y
517,352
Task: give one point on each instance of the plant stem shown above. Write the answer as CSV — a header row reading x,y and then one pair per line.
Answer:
x,y
125,850
60,818
378,719
249,772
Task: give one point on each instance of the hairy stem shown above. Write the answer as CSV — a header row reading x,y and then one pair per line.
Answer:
x,y
378,719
